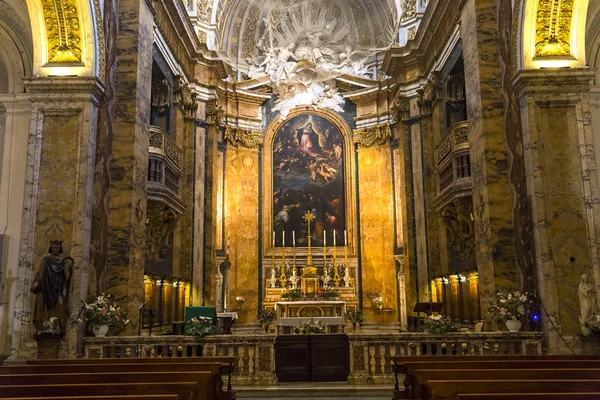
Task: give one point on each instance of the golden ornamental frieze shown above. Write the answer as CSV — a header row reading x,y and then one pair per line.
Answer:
x,y
553,28
63,31
373,136
241,137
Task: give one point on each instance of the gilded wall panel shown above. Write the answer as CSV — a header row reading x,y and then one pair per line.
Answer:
x,y
553,28
63,31
241,226
377,226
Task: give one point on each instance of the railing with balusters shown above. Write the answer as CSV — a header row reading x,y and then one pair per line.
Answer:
x,y
164,164
255,363
370,354
452,156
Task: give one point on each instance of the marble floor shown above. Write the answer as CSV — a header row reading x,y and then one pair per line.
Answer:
x,y
316,391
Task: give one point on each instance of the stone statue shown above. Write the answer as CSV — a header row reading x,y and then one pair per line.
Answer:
x,y
347,277
587,301
51,286
294,278
273,279
325,278
224,270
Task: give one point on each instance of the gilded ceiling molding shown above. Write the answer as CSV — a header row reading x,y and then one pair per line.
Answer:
x,y
241,137
553,28
373,136
63,31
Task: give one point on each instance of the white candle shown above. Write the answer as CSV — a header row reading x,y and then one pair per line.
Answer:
x,y
345,238
334,238
273,238
325,238
294,238
283,238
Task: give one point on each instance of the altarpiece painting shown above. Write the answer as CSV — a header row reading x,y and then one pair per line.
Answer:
x,y
308,175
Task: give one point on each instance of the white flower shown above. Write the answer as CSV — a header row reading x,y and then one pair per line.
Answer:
x,y
523,298
509,296
52,319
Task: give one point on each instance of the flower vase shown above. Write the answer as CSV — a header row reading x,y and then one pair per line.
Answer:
x,y
48,345
513,325
100,331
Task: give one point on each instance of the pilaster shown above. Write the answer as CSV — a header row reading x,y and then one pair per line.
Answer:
x,y
562,187
492,197
57,201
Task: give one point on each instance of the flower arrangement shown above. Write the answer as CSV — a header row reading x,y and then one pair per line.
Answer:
x,y
438,324
266,317
328,293
200,327
356,316
50,327
309,327
103,311
292,294
511,306
239,302
377,302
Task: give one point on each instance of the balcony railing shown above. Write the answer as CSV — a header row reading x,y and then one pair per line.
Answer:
x,y
164,169
453,159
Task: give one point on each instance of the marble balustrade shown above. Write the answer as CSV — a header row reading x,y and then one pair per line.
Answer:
x,y
370,354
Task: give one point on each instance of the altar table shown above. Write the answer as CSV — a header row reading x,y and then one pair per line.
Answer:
x,y
331,313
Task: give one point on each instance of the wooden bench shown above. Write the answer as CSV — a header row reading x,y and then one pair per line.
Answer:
x,y
204,374
119,397
450,389
183,390
529,396
227,363
419,371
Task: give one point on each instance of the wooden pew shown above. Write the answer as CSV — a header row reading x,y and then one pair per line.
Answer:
x,y
183,390
529,396
226,361
120,397
205,374
442,365
448,389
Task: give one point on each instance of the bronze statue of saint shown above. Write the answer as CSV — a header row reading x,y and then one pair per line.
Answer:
x,y
51,286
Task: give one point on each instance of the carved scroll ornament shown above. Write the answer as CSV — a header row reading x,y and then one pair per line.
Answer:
x,y
63,31
553,28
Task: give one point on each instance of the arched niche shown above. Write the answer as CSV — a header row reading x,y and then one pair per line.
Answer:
x,y
349,179
550,33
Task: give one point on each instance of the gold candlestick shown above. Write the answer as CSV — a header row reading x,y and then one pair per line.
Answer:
x,y
309,270
324,250
282,277
294,245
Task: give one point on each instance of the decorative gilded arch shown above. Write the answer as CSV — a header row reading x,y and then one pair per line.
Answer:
x,y
349,177
551,33
68,37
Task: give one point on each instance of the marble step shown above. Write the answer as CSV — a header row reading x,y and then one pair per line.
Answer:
x,y
315,391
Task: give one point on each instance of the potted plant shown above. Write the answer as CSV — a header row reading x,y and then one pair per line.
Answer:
x,y
438,324
48,338
266,318
356,316
292,294
328,293
510,306
102,313
200,327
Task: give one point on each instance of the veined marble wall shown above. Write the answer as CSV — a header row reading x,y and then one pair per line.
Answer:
x,y
376,211
241,218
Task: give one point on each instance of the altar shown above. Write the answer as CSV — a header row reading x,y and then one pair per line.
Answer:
x,y
330,313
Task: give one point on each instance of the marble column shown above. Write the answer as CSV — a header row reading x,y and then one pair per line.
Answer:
x,y
124,276
57,201
563,190
199,203
492,197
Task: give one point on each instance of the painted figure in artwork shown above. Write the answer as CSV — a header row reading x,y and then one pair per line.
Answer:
x,y
51,286
308,175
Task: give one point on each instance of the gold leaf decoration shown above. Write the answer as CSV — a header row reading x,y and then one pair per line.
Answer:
x,y
63,31
553,28
376,135
240,137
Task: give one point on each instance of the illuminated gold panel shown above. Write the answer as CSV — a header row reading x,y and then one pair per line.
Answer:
x,y
553,28
63,31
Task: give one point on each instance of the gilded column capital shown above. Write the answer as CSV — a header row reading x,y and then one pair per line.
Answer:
x,y
400,109
242,137
373,136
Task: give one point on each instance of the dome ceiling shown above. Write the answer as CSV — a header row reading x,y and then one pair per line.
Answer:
x,y
303,45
